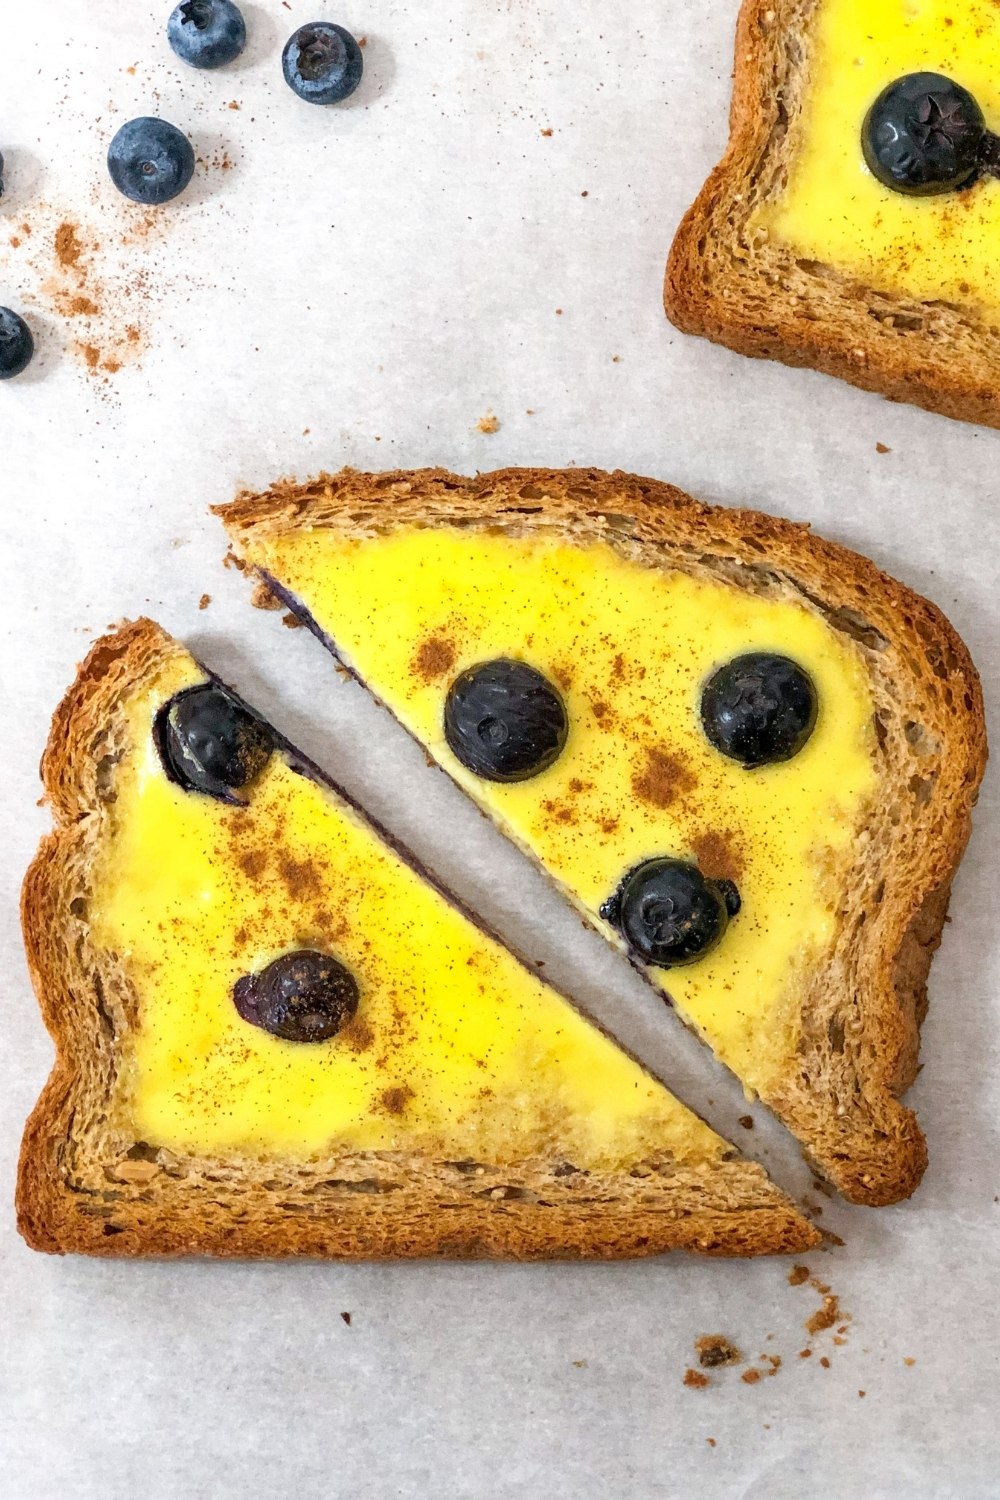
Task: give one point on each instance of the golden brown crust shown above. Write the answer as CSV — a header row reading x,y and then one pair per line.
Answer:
x,y
861,1013
86,1184
758,298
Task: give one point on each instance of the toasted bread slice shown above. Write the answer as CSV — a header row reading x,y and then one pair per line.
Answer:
x,y
794,251
626,594
465,1109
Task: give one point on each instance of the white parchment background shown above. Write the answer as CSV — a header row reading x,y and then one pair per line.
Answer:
x,y
362,286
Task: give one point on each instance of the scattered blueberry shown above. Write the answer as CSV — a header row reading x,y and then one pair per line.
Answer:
x,y
759,708
208,742
925,134
207,33
150,161
669,914
322,63
16,344
504,720
300,997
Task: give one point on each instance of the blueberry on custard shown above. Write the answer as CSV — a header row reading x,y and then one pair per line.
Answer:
x,y
925,134
304,996
668,912
759,708
505,721
208,742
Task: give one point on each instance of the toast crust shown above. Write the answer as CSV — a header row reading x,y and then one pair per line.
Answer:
x,y
85,1184
761,300
862,1012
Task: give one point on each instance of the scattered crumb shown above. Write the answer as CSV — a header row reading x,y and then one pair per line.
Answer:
x,y
881,448
347,1318
710,1442
489,423
715,1349
824,1362
797,1275
805,1354
204,601
307,430
579,1364
547,130
616,359
291,622
825,1316
695,1380
362,41
558,312
838,1340
861,1393
232,561
262,598
529,411
750,1377
232,104
746,1121
909,1363
585,194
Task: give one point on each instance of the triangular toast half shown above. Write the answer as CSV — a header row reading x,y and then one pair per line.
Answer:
x,y
446,1101
627,596
794,251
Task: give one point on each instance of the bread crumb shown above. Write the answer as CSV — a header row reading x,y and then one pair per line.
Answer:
x,y
558,312
547,130
695,1380
861,1393
616,359
715,1349
710,1442
909,1362
750,1377
204,601
232,104
746,1121
881,448
579,1364
797,1275
805,1354
825,1316
825,1362
291,622
347,1318
262,598
489,423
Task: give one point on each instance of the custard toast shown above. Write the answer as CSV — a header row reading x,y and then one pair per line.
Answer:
x,y
748,756
277,1035
852,223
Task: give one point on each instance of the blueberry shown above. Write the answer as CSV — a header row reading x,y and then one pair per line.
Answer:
x,y
759,708
16,344
300,997
504,720
669,914
924,134
208,742
207,33
322,63
150,161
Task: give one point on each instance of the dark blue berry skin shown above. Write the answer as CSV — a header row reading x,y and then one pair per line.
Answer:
x,y
669,914
505,721
759,708
924,135
322,63
150,161
208,742
16,344
301,997
207,33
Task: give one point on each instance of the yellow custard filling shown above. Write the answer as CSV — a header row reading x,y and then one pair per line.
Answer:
x,y
629,648
456,1048
833,210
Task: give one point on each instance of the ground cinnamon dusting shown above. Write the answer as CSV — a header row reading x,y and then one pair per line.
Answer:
x,y
717,856
394,1101
665,778
435,657
68,247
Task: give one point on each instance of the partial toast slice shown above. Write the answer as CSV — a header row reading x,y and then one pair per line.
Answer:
x,y
794,251
626,594
465,1109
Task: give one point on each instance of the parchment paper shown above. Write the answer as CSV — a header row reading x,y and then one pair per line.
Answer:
x,y
480,232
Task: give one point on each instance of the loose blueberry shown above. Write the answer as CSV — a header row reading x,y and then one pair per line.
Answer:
x,y
759,708
924,134
300,997
322,63
669,914
16,344
505,721
207,33
208,742
150,161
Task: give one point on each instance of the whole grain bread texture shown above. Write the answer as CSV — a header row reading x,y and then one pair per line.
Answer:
x,y
749,292
862,1007
88,1183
